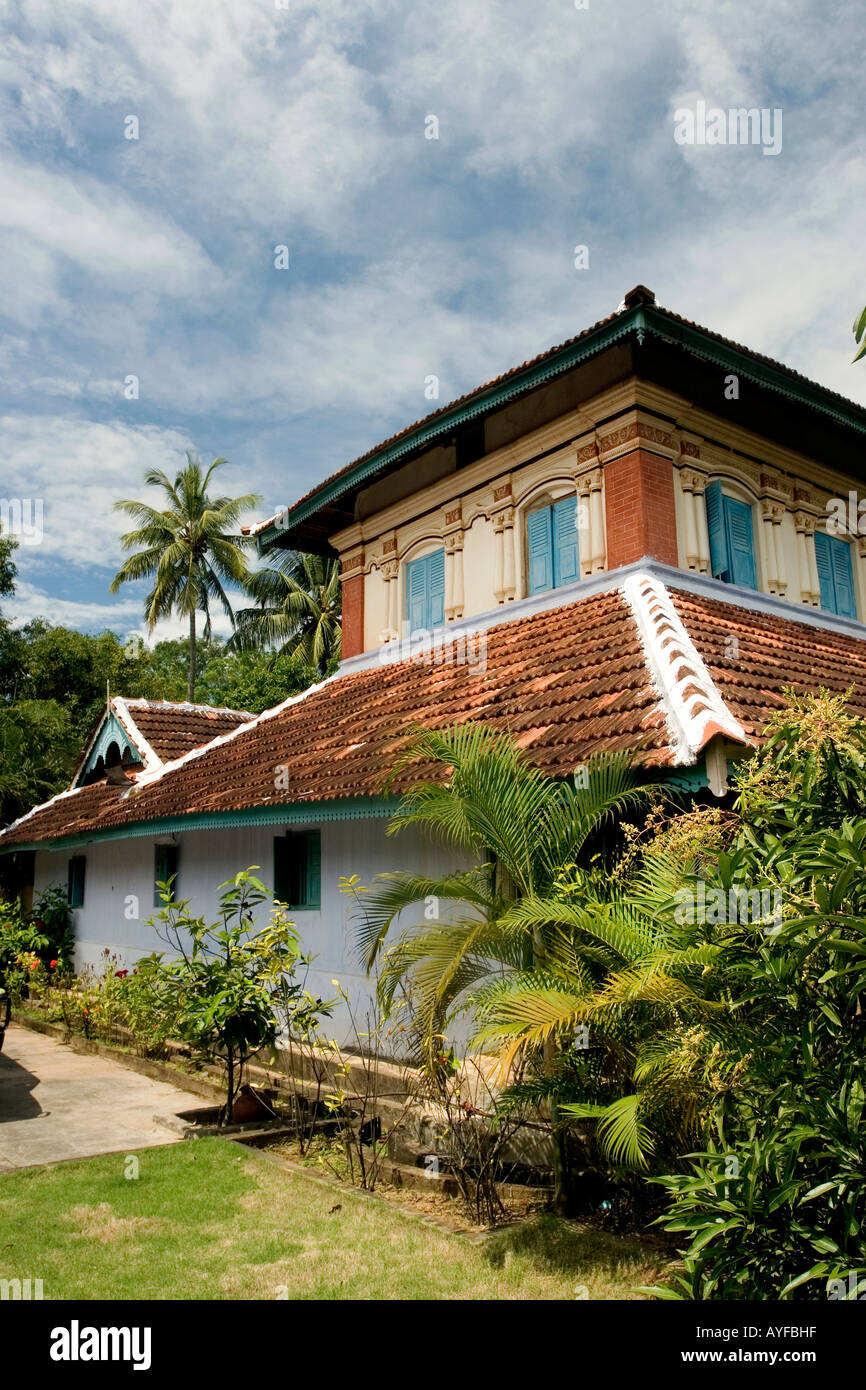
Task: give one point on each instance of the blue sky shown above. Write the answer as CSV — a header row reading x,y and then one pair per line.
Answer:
x,y
304,126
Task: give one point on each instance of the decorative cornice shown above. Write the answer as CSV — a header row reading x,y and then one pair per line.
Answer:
x,y
639,430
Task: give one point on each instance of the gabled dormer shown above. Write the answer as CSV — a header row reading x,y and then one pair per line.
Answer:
x,y
645,436
141,736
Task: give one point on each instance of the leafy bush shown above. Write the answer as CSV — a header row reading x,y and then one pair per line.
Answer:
x,y
34,944
227,981
775,1207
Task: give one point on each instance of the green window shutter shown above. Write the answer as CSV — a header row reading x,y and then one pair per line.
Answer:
x,y
540,548
298,869
313,886
566,553
75,881
165,860
843,578
416,594
436,589
741,543
719,562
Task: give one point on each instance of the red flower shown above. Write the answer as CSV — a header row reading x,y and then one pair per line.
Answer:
x,y
52,964
121,974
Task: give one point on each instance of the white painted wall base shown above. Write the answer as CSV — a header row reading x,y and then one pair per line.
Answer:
x,y
118,894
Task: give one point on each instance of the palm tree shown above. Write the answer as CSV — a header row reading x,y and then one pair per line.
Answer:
x,y
652,994
297,606
521,828
189,549
548,937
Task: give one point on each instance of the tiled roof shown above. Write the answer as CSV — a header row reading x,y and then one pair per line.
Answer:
x,y
174,729
753,657
639,666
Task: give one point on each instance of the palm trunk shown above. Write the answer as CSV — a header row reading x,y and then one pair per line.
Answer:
x,y
190,684
561,1181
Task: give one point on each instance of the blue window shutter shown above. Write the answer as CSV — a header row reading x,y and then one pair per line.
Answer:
x,y
416,594
843,578
825,571
566,554
741,543
719,560
539,546
436,589
313,885
835,574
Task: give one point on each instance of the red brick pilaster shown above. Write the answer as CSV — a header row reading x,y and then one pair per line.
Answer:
x,y
353,605
640,508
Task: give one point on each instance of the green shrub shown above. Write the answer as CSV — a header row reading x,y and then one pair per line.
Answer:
x,y
776,1205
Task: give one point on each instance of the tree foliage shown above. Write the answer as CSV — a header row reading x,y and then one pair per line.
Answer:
x,y
190,550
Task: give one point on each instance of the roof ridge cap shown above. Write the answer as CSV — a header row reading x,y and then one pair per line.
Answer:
x,y
141,702
691,702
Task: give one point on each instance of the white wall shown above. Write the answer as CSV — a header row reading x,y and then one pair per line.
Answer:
x,y
121,870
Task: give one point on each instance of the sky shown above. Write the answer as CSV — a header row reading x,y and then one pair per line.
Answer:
x,y
154,157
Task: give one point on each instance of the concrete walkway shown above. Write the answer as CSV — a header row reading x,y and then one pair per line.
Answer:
x,y
56,1103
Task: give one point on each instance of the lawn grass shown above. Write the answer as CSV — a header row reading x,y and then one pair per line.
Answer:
x,y
203,1221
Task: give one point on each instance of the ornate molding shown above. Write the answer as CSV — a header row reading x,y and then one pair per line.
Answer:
x,y
771,511
693,481
353,563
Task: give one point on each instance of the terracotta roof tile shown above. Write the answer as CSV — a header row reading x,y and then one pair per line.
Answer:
x,y
565,682
172,729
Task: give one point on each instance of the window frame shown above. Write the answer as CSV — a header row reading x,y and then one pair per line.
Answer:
x,y
721,532
75,880
170,851
557,541
434,600
306,869
835,545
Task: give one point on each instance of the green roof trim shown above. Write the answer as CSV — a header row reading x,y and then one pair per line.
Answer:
x,y
687,779
742,363
306,812
642,320
480,402
110,731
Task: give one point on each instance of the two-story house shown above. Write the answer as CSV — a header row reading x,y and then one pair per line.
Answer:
x,y
638,539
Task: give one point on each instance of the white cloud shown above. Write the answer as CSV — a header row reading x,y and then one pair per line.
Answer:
x,y
408,257
79,468
123,616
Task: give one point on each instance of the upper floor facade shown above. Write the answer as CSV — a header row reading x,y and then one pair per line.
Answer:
x,y
646,436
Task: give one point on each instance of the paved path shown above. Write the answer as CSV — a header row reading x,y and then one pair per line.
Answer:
x,y
56,1103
